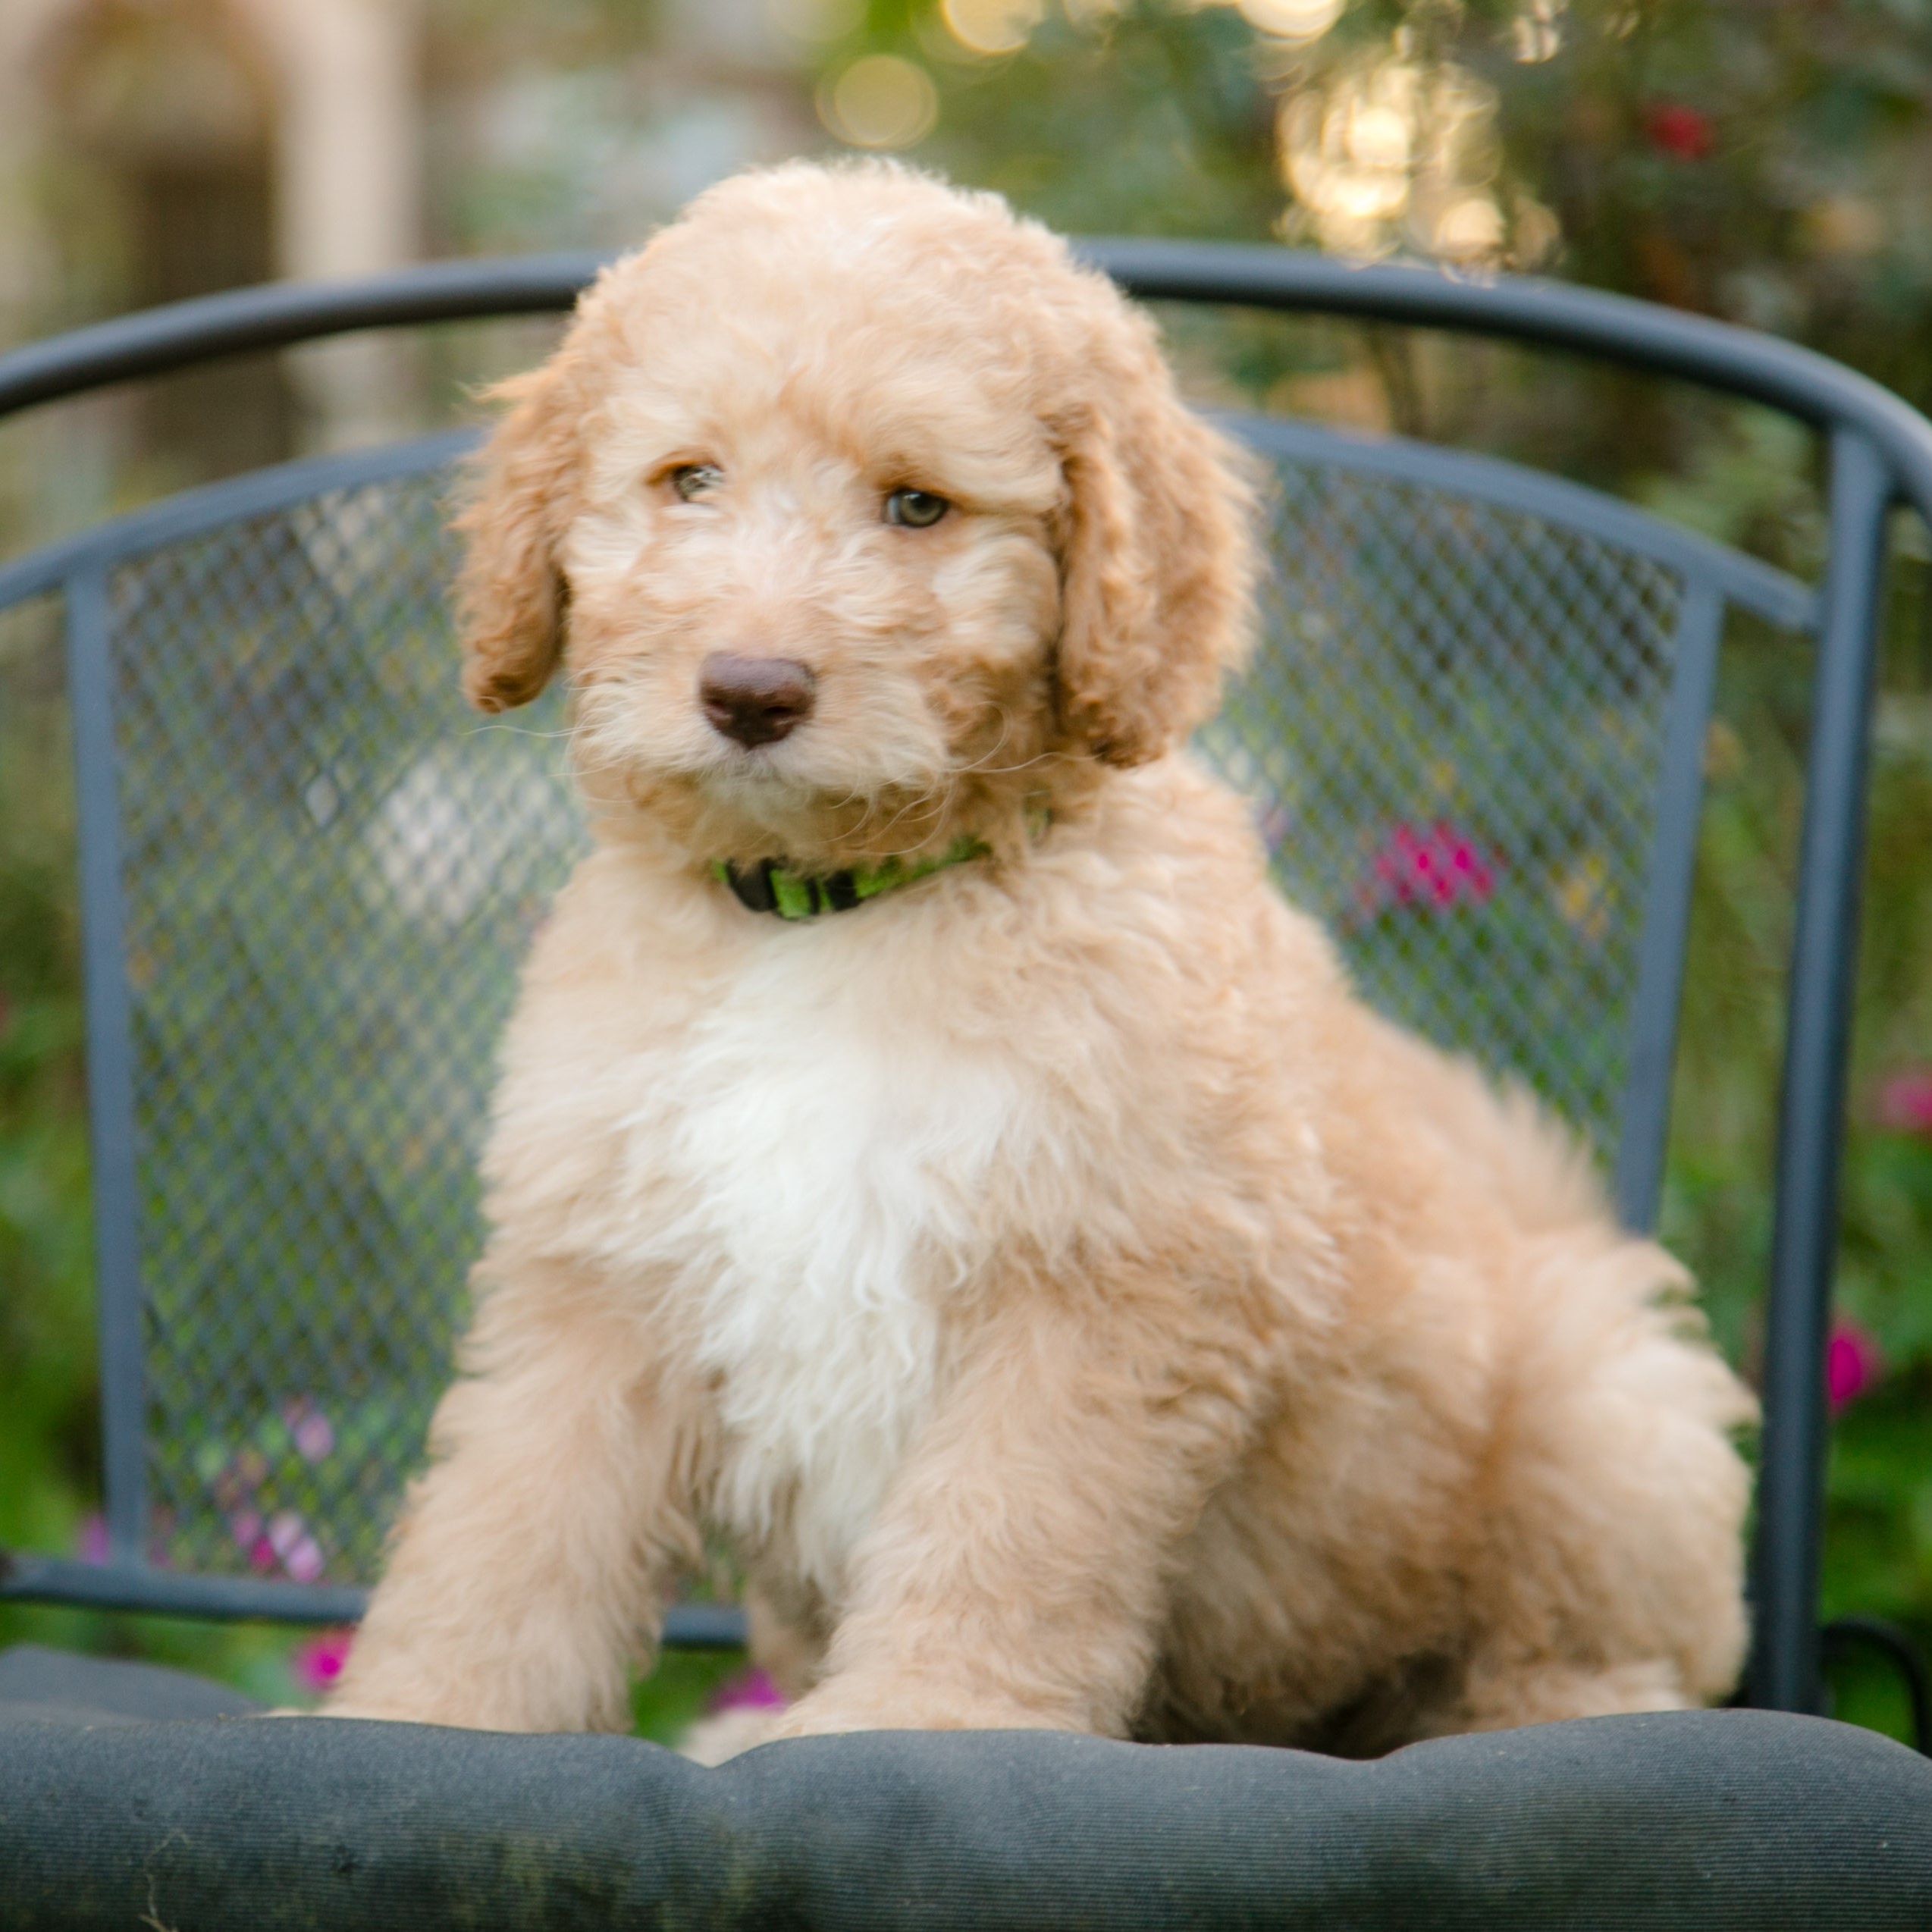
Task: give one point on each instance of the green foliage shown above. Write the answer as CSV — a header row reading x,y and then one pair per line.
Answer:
x,y
665,1704
1158,125
48,1431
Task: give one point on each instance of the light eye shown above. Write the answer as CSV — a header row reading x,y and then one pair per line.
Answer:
x,y
691,480
918,509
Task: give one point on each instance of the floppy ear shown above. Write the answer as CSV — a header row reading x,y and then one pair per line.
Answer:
x,y
1157,555
511,598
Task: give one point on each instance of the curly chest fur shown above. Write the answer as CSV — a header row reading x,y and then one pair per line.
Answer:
x,y
817,1162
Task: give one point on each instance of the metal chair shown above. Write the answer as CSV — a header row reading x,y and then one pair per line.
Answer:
x,y
307,874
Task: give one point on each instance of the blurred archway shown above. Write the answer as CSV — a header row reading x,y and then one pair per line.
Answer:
x,y
170,110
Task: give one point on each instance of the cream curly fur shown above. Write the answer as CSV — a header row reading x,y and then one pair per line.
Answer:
x,y
1076,1309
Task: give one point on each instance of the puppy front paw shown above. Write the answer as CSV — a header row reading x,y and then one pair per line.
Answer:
x,y
909,1704
724,1735
331,1710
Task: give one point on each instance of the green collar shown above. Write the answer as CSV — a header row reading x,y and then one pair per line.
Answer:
x,y
771,887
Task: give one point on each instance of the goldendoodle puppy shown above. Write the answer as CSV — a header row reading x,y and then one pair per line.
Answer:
x,y
929,1155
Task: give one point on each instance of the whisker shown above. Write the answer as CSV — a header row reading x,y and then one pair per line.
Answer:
x,y
516,730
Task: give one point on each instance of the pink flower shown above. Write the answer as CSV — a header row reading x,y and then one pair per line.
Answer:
x,y
1680,132
301,1555
309,1429
1435,869
1905,1101
1853,1363
750,1690
318,1661
92,1542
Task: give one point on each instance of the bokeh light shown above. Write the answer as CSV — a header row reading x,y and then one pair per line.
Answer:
x,y
879,102
992,26
1292,19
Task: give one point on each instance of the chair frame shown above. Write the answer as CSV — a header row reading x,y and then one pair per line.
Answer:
x,y
1880,456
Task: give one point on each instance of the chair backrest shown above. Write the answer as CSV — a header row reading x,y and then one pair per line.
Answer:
x,y
324,870
1474,740
1472,736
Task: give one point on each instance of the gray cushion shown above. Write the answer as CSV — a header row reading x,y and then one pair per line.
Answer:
x,y
1711,1820
57,1686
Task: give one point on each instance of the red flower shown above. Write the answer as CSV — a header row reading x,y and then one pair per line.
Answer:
x,y
1680,132
1434,869
318,1659
1852,1363
1905,1101
750,1690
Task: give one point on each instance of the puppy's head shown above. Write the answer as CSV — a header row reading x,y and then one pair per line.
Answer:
x,y
860,513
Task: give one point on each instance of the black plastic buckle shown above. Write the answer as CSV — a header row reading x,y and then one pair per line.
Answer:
x,y
753,888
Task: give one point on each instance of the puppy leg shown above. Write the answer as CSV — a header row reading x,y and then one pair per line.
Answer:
x,y
525,1572
788,1652
1017,1575
1501,1699
1610,1578
726,1734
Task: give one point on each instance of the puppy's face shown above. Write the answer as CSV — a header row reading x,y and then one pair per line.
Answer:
x,y
862,510
814,558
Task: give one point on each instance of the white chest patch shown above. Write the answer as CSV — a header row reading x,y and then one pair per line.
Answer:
x,y
827,1151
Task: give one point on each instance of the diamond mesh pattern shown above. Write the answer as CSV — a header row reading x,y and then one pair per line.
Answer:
x,y
1449,737
331,870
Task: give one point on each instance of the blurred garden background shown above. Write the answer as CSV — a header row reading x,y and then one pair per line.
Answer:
x,y
1768,161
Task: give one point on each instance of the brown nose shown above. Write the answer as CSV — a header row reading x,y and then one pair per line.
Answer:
x,y
755,700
